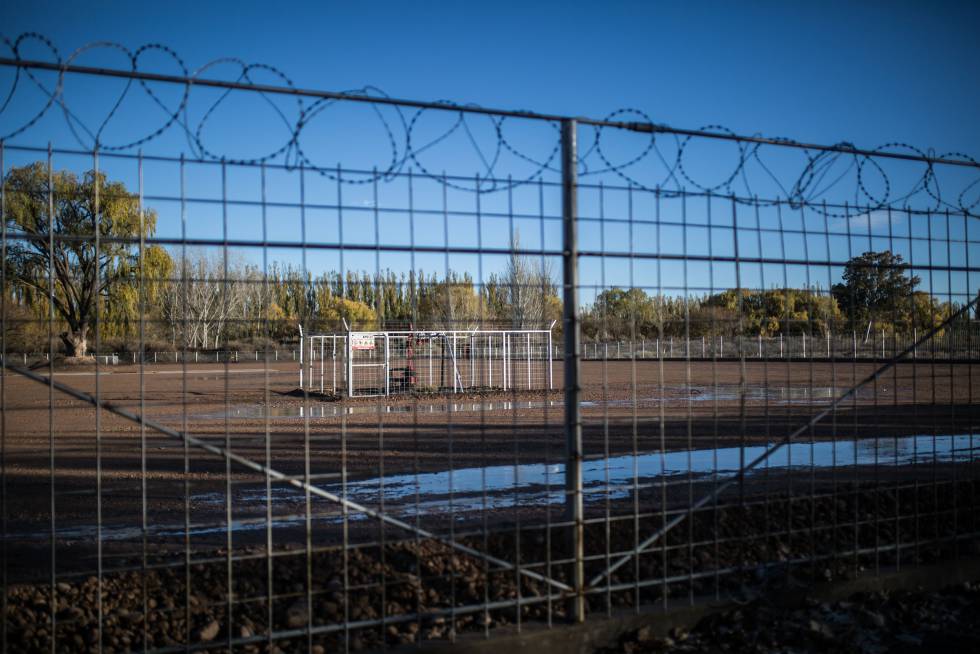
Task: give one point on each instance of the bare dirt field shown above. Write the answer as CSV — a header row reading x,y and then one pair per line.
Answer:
x,y
61,456
644,406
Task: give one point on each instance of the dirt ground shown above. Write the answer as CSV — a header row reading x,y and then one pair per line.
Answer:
x,y
60,455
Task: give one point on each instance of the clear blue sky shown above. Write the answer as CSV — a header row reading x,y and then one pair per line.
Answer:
x,y
867,73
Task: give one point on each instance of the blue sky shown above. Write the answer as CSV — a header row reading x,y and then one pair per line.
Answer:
x,y
866,73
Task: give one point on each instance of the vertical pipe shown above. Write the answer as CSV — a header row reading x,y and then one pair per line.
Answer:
x,y
529,361
551,367
300,357
506,378
573,423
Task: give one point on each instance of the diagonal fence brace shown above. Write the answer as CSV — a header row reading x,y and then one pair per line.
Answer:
x,y
740,475
279,476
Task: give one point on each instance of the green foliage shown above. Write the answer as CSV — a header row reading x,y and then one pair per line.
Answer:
x,y
52,255
204,302
877,291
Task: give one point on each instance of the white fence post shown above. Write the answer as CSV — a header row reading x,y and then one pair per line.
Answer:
x,y
529,361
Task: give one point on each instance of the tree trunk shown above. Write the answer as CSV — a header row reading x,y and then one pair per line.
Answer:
x,y
76,342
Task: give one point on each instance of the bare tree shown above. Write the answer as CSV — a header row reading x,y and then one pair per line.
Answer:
x,y
203,298
529,292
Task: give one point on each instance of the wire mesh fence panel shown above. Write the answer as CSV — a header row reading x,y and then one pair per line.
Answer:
x,y
323,364
393,363
369,364
580,380
955,342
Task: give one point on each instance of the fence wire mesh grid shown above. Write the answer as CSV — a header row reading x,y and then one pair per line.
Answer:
x,y
591,383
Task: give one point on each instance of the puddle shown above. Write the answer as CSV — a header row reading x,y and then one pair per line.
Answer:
x,y
467,490
622,470
680,396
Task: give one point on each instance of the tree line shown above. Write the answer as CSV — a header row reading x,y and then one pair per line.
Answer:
x,y
60,273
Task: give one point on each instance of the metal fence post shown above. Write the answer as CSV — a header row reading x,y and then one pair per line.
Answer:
x,y
573,423
349,349
551,365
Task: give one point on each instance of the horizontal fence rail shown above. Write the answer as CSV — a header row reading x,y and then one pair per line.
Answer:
x,y
254,398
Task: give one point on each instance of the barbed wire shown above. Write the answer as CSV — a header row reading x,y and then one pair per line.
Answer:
x,y
660,158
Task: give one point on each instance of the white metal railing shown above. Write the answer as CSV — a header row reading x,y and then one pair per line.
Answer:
x,y
369,363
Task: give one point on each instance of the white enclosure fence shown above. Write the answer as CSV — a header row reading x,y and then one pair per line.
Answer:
x,y
380,363
959,344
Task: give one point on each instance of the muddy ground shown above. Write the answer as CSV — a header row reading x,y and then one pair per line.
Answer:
x,y
81,467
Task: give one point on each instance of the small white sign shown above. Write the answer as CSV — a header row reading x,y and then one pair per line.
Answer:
x,y
362,341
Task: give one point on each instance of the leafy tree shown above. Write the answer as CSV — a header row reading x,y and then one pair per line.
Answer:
x,y
621,313
875,290
67,268
786,310
449,304
357,314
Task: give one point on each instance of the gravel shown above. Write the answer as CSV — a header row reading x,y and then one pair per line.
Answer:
x,y
864,623
173,605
